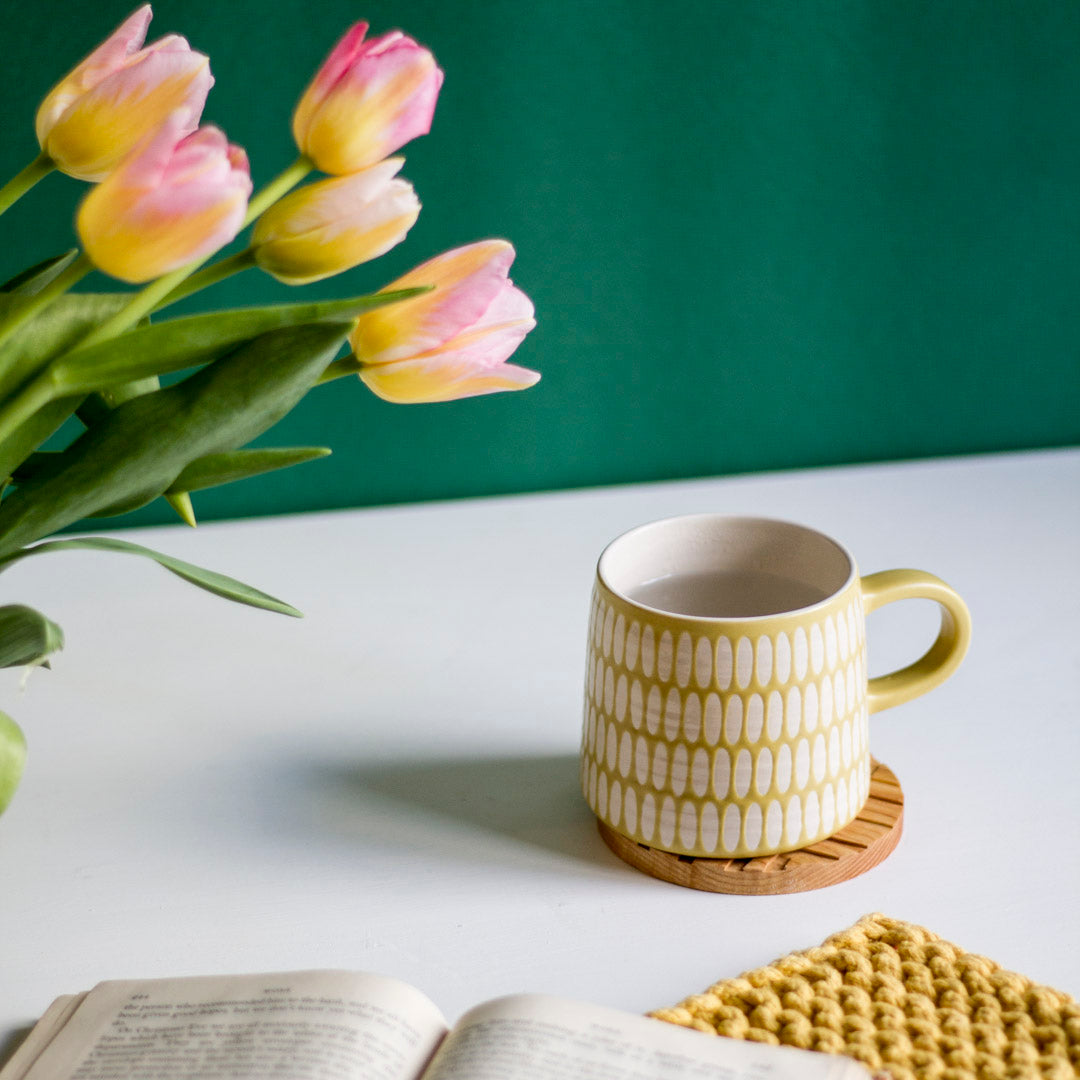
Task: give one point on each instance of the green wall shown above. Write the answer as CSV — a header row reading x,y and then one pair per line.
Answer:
x,y
758,234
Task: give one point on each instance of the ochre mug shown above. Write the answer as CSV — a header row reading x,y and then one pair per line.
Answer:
x,y
726,693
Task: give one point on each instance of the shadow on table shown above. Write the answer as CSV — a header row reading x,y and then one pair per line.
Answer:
x,y
533,802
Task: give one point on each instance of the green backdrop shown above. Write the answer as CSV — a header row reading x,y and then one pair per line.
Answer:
x,y
758,234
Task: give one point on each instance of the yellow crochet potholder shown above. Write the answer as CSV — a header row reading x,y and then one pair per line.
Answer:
x,y
901,1000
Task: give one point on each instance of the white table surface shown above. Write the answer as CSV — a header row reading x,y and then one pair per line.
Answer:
x,y
390,783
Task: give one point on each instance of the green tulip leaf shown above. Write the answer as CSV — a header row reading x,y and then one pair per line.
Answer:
x,y
32,280
59,327
139,449
105,402
26,636
38,465
33,432
213,470
195,339
135,501
180,501
62,325
210,580
92,410
12,758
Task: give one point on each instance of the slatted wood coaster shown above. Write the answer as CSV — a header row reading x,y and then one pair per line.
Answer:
x,y
856,848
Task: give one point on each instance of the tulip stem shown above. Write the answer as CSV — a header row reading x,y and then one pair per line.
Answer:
x,y
338,369
141,304
37,394
209,275
31,305
277,187
23,181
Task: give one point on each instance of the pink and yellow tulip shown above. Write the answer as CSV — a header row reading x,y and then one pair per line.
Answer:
x,y
333,225
367,100
452,342
178,198
106,106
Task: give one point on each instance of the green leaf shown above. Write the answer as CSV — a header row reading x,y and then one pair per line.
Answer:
x,y
39,464
180,501
139,449
33,432
196,339
32,280
125,506
216,469
210,580
26,636
59,327
12,758
67,320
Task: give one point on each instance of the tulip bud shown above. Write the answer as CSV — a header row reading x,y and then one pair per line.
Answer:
x,y
366,101
118,95
333,225
453,341
176,199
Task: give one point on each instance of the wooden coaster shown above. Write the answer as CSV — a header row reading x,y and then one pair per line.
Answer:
x,y
856,848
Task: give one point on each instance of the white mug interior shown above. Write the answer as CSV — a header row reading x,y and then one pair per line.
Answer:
x,y
702,544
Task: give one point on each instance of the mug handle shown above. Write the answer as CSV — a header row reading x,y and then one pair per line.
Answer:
x,y
942,658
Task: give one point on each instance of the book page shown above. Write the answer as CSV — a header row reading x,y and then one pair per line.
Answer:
x,y
325,1025
532,1037
43,1033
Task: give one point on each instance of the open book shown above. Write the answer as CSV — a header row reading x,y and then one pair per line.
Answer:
x,y
333,1025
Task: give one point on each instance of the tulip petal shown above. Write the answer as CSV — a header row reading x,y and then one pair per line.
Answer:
x,y
175,200
510,305
324,228
368,99
150,242
146,168
100,128
466,281
334,67
413,382
317,205
124,41
324,252
453,341
486,346
117,96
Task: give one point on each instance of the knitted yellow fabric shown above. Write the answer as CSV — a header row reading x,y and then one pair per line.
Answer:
x,y
901,1000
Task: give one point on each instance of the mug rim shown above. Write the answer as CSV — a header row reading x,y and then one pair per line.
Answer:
x,y
712,620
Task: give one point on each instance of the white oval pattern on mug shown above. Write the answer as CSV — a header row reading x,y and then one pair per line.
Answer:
x,y
703,663
755,717
699,775
744,662
725,663
692,718
764,661
663,750
664,657
683,659
713,719
633,639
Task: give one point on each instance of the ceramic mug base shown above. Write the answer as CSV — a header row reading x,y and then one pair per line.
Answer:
x,y
856,848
